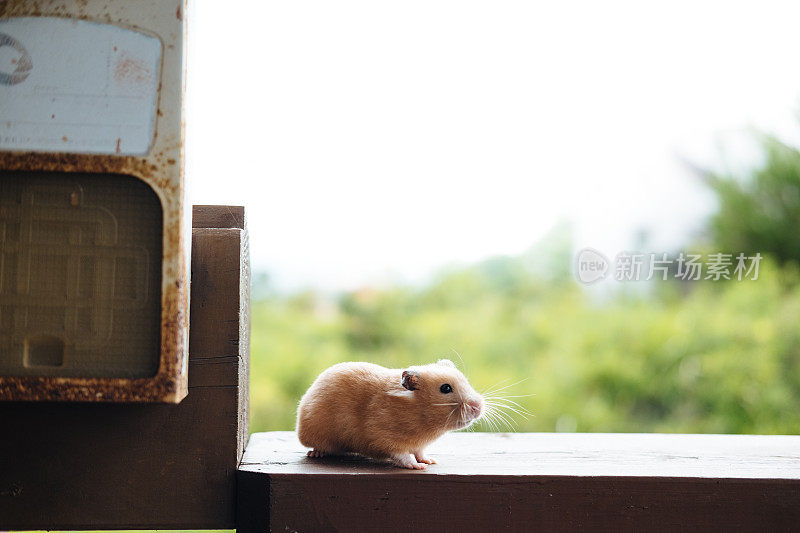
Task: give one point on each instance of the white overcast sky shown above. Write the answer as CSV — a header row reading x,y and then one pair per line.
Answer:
x,y
374,141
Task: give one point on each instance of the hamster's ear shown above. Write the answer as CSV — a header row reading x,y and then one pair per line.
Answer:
x,y
410,380
446,362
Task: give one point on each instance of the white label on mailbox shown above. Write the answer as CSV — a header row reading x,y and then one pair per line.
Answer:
x,y
68,85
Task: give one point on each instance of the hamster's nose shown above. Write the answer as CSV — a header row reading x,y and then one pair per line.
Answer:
x,y
475,406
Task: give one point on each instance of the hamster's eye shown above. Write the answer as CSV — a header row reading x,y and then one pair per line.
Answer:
x,y
446,388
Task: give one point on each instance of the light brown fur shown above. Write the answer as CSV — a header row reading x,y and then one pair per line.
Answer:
x,y
364,408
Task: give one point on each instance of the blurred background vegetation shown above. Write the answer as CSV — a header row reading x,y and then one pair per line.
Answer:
x,y
661,356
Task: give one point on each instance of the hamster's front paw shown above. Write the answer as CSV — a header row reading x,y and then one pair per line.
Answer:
x,y
420,457
315,453
406,460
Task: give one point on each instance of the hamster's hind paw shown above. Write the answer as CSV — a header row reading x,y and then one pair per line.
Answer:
x,y
315,453
407,461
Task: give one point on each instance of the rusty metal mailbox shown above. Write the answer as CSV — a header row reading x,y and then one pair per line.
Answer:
x,y
93,227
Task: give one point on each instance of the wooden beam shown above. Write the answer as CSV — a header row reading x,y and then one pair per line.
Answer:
x,y
126,466
525,482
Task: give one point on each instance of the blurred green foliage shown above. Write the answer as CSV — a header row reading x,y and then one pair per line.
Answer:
x,y
700,357
760,212
723,359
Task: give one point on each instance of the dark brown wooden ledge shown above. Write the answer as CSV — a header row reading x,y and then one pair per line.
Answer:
x,y
525,482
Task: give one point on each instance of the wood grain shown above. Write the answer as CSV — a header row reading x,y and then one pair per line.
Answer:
x,y
523,482
121,466
218,216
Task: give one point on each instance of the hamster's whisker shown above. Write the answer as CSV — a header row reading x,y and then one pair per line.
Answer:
x,y
508,420
495,420
499,423
451,403
488,389
509,403
499,386
508,386
503,398
491,413
521,413
498,411
503,401
448,416
459,358
517,408
490,420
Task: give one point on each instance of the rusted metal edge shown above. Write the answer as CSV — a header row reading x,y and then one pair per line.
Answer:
x,y
170,383
162,169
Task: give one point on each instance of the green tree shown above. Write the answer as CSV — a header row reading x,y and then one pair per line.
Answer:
x,y
761,213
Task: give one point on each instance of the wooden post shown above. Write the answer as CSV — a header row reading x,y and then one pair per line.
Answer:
x,y
125,466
